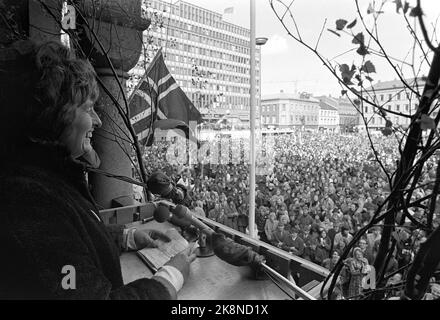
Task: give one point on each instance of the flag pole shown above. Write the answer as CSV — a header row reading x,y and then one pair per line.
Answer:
x,y
252,124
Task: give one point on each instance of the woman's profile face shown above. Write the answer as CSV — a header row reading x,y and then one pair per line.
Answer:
x,y
77,136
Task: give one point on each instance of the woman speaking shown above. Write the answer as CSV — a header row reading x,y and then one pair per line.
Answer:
x,y
49,222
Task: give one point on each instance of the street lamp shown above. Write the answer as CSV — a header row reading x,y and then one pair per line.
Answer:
x,y
253,43
260,41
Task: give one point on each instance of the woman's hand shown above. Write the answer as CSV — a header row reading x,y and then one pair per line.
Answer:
x,y
183,260
149,238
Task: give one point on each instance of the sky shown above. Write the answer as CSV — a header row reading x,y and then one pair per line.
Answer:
x,y
287,65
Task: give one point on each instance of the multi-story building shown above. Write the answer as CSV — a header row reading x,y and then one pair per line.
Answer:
x,y
392,96
208,57
328,117
349,117
286,110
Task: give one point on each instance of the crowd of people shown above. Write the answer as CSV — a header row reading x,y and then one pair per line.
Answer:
x,y
320,192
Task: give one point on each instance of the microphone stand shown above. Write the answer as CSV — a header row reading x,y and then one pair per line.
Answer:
x,y
205,246
300,292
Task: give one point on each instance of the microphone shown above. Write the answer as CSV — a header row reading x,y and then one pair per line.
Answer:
x,y
179,215
160,184
162,213
184,213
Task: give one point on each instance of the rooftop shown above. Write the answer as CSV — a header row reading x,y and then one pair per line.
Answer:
x,y
397,84
289,96
325,106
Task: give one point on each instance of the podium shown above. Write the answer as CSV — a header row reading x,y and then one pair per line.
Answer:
x,y
210,278
213,279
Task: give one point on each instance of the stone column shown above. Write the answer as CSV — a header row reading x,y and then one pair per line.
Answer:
x,y
29,19
116,48
44,22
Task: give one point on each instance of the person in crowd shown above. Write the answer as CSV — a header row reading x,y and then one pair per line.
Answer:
x,y
342,239
373,236
261,215
243,218
214,213
434,293
367,252
222,217
231,213
198,208
330,263
49,218
270,226
358,267
310,250
284,220
279,236
324,247
293,243
393,284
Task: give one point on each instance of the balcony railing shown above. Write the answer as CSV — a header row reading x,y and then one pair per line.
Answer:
x,y
307,275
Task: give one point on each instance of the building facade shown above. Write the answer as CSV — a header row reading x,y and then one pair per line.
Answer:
x,y
286,110
328,117
349,117
208,57
392,96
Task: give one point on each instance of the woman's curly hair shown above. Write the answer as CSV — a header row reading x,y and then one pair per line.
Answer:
x,y
40,87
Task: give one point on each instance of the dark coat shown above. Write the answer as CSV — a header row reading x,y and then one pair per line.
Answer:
x,y
47,221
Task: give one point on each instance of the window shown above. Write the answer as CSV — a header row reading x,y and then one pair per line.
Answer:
x,y
390,97
406,107
366,109
381,97
397,107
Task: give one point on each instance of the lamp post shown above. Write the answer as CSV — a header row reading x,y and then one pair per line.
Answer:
x,y
252,155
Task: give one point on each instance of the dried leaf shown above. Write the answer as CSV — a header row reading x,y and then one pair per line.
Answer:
x,y
405,7
372,10
362,50
369,78
340,24
398,5
344,68
416,12
357,102
387,131
352,24
368,67
347,73
343,92
334,32
358,39
426,122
